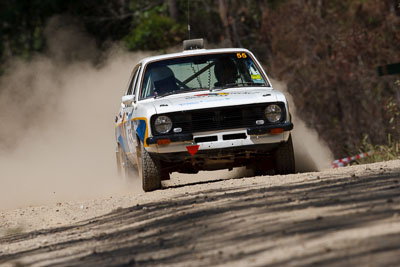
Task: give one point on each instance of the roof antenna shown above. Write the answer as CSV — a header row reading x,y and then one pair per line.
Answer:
x,y
188,22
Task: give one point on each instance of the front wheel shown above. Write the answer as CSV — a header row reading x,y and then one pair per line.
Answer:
x,y
284,158
149,171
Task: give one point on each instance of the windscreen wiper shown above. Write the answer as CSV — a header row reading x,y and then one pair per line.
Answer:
x,y
228,85
156,95
253,84
233,85
186,90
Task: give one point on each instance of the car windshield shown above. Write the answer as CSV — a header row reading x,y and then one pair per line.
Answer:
x,y
192,73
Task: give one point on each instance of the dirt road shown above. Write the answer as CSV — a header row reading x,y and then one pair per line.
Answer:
x,y
339,217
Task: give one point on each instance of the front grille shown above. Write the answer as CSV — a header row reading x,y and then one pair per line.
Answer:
x,y
206,139
218,118
201,120
234,136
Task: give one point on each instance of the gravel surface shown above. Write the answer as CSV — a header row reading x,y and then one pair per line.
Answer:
x,y
338,217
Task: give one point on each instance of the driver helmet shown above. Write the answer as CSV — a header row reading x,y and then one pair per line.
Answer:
x,y
225,71
163,79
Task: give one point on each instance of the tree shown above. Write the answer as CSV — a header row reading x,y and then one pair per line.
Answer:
x,y
173,10
223,13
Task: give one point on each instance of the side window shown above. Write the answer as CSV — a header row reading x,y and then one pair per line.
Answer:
x,y
132,81
147,87
130,85
137,81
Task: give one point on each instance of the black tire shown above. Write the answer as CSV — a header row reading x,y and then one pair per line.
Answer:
x,y
126,170
284,158
149,171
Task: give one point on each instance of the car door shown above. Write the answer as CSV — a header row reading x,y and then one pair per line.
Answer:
x,y
120,130
129,132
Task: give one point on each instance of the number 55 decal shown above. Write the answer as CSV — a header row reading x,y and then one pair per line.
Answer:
x,y
241,55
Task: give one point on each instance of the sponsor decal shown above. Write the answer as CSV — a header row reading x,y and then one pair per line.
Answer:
x,y
256,77
220,94
201,101
244,93
212,94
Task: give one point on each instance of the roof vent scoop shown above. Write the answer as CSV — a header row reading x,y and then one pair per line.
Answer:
x,y
193,44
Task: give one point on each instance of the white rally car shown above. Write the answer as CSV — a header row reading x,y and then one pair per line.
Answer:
x,y
201,109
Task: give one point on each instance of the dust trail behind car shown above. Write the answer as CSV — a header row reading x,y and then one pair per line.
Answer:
x,y
311,152
57,122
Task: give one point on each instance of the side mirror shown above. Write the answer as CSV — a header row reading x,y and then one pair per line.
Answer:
x,y
128,99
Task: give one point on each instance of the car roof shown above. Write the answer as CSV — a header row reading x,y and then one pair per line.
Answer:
x,y
193,52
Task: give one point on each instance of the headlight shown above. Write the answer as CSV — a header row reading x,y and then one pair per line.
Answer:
x,y
162,124
273,113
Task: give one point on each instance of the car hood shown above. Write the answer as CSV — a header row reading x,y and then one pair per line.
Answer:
x,y
223,98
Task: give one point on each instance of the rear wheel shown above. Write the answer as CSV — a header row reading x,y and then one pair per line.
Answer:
x,y
149,171
284,158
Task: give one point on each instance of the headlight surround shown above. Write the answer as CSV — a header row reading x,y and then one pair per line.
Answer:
x,y
273,113
162,124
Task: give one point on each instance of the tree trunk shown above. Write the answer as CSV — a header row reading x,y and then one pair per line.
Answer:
x,y
319,8
265,29
238,43
8,47
223,13
173,11
396,7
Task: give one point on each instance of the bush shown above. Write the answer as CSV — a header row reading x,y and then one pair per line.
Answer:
x,y
390,150
154,32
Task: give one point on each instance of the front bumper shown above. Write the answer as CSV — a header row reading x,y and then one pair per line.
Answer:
x,y
172,137
286,126
258,130
223,139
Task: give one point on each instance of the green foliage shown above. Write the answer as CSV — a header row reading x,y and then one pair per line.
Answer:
x,y
388,151
22,23
155,31
393,110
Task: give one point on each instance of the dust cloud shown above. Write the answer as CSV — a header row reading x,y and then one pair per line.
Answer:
x,y
311,153
57,121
